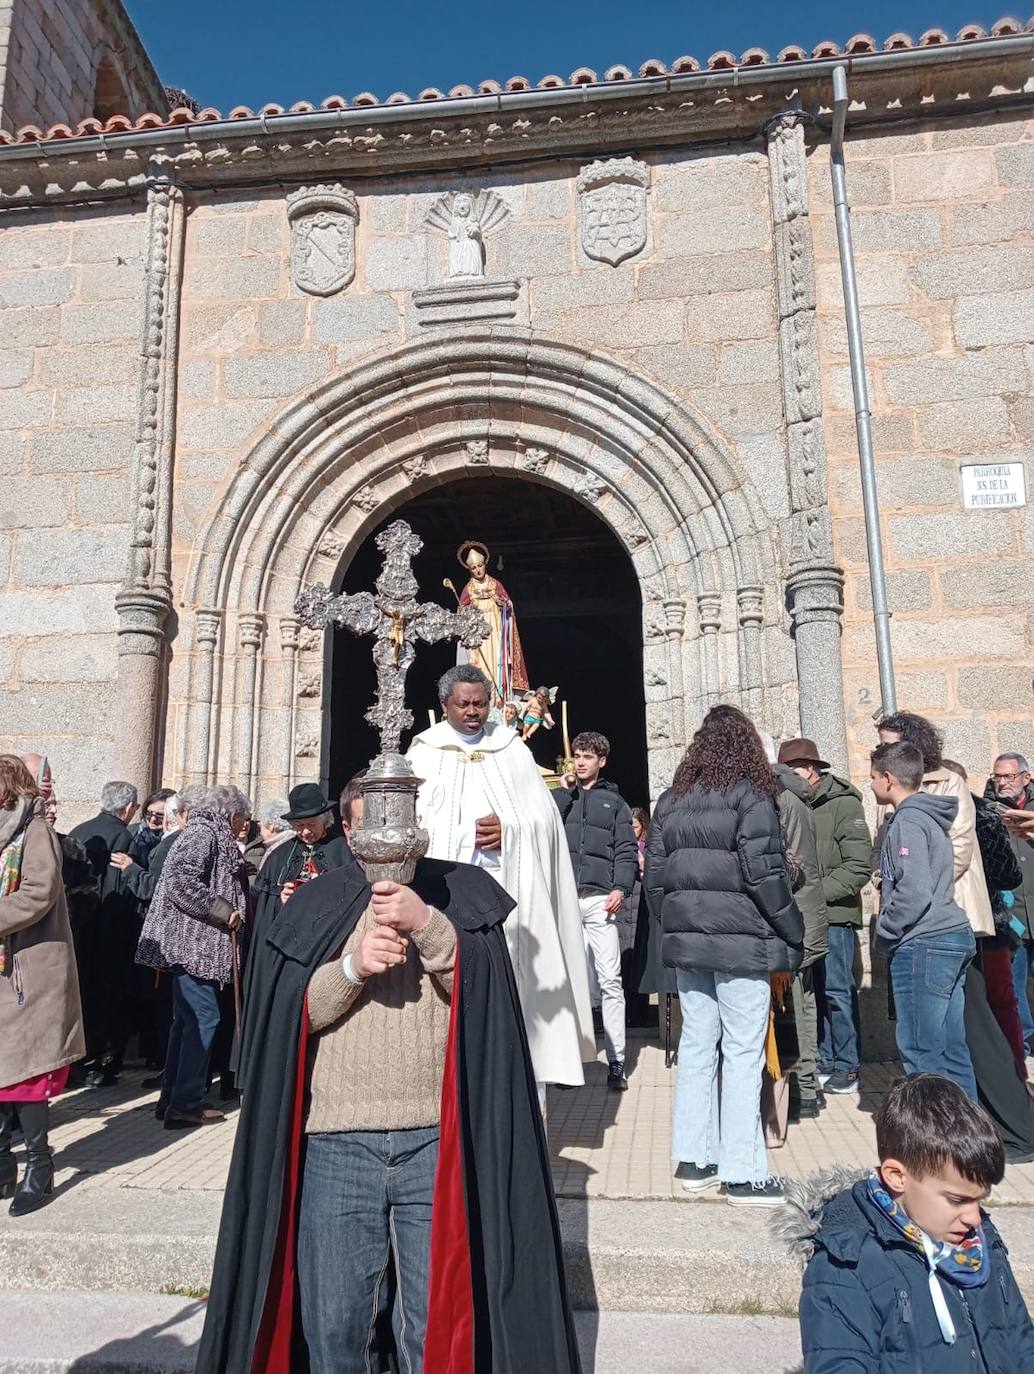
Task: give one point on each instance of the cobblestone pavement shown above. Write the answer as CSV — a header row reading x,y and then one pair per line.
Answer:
x,y
603,1144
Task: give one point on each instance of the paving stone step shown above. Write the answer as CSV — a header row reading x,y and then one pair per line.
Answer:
x,y
643,1256
77,1332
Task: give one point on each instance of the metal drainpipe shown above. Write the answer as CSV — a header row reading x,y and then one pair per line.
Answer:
x,y
860,386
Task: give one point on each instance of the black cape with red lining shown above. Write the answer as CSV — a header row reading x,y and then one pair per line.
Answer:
x,y
498,1299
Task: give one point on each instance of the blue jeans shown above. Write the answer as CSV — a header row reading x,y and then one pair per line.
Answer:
x,y
366,1202
195,1020
731,1012
1022,967
839,1029
927,974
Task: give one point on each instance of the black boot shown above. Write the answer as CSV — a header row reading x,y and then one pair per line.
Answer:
x,y
8,1167
38,1183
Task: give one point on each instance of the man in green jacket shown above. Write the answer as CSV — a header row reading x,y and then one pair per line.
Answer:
x,y
844,852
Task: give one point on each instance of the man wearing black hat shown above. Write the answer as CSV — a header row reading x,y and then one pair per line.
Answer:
x,y
844,853
314,850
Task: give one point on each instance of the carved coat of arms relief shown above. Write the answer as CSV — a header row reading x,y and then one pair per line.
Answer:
x,y
323,220
612,209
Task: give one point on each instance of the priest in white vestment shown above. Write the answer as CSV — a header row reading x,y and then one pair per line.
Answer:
x,y
483,801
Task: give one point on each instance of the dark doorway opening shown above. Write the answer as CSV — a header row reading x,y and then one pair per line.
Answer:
x,y
578,609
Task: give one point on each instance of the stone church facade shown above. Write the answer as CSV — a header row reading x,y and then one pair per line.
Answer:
x,y
231,346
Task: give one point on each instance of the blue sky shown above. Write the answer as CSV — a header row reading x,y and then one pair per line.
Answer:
x,y
228,52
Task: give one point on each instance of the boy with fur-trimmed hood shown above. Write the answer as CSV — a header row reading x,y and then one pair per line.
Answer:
x,y
906,1274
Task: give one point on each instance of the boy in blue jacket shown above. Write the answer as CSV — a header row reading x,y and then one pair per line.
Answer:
x,y
907,1274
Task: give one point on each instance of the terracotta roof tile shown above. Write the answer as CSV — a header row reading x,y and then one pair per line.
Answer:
x,y
859,46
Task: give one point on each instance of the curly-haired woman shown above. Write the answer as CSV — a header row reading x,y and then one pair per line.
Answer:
x,y
41,1021
716,875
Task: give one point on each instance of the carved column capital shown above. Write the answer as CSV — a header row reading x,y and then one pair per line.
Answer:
x,y
141,622
206,628
674,616
816,593
709,610
750,606
250,626
290,626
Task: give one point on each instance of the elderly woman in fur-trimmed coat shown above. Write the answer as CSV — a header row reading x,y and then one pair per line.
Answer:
x,y
41,1020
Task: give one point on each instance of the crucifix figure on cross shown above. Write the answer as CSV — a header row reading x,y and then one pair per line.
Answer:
x,y
395,619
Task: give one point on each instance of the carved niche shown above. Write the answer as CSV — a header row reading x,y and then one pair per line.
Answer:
x,y
323,220
612,209
466,221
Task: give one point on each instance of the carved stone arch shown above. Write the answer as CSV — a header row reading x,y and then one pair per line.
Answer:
x,y
339,459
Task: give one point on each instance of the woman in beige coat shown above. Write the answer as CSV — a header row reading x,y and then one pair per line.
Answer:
x,y
41,1024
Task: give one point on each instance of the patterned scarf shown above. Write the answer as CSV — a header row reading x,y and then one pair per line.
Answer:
x,y
966,1264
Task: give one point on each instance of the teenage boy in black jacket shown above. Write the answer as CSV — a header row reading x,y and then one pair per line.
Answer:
x,y
598,825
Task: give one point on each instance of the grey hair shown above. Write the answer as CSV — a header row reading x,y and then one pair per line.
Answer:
x,y
463,672
193,795
1018,759
172,806
226,800
272,815
116,796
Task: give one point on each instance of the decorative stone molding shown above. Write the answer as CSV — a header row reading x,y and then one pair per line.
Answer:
x,y
331,546
534,460
365,499
653,677
612,209
477,452
206,629
467,302
309,641
310,684
466,220
323,220
415,468
590,487
250,627
634,537
307,745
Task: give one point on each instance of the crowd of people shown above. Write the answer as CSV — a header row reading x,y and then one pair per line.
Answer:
x,y
741,897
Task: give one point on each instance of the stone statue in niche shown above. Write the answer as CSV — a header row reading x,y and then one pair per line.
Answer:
x,y
466,220
323,220
612,209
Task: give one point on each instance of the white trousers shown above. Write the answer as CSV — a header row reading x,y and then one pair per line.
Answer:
x,y
603,955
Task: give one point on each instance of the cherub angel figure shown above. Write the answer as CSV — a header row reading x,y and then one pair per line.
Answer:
x,y
535,712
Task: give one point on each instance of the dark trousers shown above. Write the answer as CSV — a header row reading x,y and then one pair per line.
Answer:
x,y
195,1019
839,1030
366,1206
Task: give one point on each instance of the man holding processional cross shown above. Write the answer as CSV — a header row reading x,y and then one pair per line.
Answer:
x,y
389,1108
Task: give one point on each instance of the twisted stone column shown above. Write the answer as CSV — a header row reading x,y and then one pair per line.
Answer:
x,y
145,598
814,584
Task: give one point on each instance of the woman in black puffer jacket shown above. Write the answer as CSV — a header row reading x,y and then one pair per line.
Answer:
x,y
717,881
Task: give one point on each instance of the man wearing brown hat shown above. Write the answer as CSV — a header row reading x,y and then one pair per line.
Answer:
x,y
844,852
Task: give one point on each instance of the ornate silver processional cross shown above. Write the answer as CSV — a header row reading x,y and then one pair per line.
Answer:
x,y
389,843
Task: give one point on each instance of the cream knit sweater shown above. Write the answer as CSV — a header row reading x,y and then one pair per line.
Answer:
x,y
378,1052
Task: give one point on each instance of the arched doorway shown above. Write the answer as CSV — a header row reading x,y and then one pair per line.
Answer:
x,y
578,607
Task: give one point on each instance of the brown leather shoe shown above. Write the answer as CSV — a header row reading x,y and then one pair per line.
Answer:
x,y
177,1120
